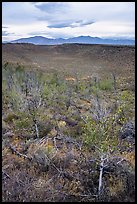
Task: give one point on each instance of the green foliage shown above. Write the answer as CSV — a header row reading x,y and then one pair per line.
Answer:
x,y
103,132
23,123
10,117
78,111
98,135
106,85
94,89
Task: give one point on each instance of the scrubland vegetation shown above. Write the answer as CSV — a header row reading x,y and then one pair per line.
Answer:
x,y
66,138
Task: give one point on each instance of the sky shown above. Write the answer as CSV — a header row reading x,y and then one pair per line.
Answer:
x,y
68,19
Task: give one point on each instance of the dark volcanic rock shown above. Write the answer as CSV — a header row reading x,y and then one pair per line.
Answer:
x,y
127,131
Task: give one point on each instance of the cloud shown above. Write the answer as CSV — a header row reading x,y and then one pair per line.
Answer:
x,y
81,23
52,7
60,25
16,13
5,33
71,24
68,19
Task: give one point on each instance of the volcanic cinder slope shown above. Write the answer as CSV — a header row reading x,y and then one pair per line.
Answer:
x,y
84,59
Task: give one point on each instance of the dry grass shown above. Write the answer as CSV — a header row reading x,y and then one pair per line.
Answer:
x,y
59,167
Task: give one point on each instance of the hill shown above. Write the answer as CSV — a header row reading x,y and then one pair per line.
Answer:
x,y
39,40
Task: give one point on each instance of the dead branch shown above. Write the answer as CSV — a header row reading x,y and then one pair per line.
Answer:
x,y
13,149
4,173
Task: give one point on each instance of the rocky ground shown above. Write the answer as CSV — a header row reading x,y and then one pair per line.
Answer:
x,y
68,123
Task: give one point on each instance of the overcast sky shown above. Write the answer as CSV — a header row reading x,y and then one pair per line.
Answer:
x,y
68,19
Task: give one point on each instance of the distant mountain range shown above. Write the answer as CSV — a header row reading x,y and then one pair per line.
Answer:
x,y
39,40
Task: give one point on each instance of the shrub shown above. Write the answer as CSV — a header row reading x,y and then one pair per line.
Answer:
x,y
106,85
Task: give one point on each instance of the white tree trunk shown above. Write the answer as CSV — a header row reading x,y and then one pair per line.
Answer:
x,y
100,176
37,131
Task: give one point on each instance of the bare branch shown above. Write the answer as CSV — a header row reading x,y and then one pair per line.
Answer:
x,y
18,153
